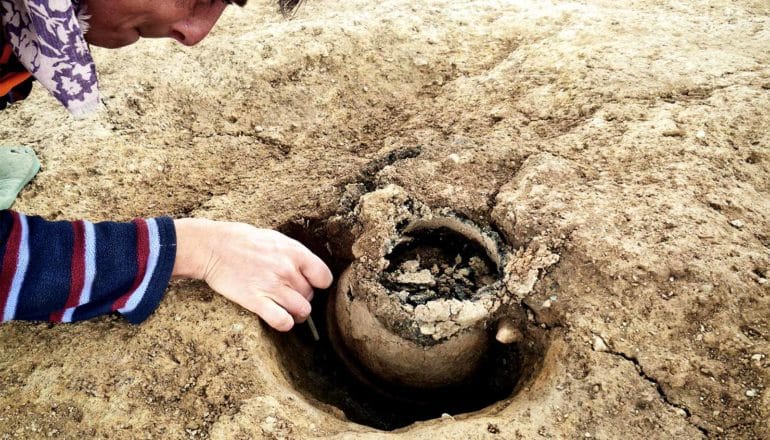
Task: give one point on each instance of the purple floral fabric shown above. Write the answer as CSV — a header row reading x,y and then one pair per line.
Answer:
x,y
47,38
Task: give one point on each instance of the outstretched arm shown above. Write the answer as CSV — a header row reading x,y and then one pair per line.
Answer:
x,y
70,271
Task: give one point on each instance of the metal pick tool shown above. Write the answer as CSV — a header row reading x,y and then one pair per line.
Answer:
x,y
313,329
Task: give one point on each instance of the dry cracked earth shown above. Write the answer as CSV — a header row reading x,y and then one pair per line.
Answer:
x,y
631,139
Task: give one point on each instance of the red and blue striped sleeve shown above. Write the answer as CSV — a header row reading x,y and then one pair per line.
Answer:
x,y
70,271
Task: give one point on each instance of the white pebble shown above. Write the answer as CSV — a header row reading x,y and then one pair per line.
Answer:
x,y
599,344
751,393
736,223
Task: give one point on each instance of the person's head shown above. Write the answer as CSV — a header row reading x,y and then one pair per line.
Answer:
x,y
118,23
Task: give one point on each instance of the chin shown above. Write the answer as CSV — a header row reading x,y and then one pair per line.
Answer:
x,y
111,41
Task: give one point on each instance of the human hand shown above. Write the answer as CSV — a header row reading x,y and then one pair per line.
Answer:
x,y
262,270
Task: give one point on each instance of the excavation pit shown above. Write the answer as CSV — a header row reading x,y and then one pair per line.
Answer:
x,y
381,360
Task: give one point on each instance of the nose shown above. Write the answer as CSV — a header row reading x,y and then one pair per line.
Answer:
x,y
193,29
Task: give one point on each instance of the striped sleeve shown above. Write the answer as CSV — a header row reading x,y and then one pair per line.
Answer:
x,y
71,271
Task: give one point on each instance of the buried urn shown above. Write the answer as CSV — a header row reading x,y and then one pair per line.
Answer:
x,y
424,298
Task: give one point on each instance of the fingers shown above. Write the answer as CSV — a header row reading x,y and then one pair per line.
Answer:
x,y
315,271
298,283
281,309
293,302
274,315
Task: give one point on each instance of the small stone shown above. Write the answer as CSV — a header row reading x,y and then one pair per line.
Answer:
x,y
410,266
463,273
736,223
676,132
237,327
454,157
700,134
428,329
507,333
669,128
599,344
752,393
423,277
757,357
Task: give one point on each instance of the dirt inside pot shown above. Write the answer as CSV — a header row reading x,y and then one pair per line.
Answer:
x,y
439,264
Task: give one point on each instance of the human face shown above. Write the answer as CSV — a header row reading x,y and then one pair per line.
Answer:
x,y
118,23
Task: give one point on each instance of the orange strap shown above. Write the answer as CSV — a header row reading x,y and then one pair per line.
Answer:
x,y
5,55
13,79
8,82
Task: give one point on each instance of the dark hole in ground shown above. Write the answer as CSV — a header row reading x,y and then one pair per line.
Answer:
x,y
315,369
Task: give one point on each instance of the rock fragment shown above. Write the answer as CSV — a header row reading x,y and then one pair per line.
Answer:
x,y
420,278
599,344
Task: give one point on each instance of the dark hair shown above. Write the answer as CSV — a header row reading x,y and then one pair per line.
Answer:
x,y
287,7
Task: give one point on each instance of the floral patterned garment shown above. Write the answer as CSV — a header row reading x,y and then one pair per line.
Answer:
x,y
47,39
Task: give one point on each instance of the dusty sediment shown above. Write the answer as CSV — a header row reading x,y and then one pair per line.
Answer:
x,y
631,141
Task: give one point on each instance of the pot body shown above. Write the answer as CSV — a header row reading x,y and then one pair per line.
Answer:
x,y
395,359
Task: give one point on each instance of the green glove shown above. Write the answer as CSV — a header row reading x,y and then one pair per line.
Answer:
x,y
18,165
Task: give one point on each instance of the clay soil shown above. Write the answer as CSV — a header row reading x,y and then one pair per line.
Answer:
x,y
631,139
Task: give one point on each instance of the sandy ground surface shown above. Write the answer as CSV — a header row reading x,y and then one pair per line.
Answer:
x,y
630,138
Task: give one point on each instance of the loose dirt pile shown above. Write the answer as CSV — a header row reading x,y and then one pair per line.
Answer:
x,y
622,150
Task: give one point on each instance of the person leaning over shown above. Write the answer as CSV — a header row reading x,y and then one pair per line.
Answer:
x,y
69,271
